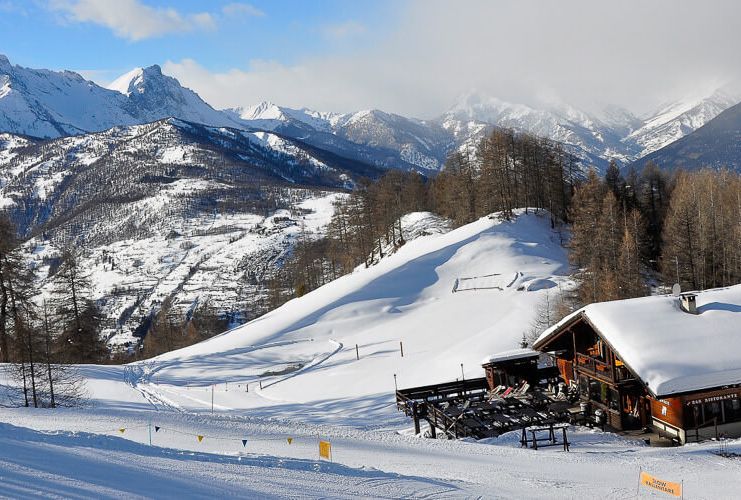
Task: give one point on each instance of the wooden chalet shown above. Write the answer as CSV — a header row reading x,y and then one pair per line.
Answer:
x,y
512,368
665,362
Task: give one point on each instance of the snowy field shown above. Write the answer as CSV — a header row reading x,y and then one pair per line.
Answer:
x,y
293,374
81,453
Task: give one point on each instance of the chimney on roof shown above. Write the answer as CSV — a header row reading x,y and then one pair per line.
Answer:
x,y
688,302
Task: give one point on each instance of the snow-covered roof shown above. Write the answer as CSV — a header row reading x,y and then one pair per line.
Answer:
x,y
510,355
670,350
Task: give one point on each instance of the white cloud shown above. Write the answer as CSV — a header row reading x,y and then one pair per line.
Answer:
x,y
242,9
343,30
631,53
131,19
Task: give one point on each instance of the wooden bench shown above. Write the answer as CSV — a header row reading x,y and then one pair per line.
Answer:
x,y
550,440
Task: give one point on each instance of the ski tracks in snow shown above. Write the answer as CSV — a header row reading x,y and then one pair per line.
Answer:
x,y
314,363
139,377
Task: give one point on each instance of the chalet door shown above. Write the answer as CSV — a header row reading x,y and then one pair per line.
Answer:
x,y
631,411
645,412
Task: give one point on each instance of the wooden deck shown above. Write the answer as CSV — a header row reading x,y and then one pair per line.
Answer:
x,y
466,409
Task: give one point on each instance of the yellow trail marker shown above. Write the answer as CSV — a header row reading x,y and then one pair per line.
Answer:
x,y
290,440
200,438
649,481
122,430
325,450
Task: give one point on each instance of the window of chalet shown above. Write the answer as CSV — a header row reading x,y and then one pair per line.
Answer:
x,y
702,414
600,392
502,378
596,392
694,416
732,410
713,410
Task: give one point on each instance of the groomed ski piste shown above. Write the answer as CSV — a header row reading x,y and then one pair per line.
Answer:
x,y
242,414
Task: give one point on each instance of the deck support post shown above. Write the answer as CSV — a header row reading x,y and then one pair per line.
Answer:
x,y
415,416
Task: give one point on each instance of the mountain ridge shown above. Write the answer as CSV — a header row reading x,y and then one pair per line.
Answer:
x,y
49,104
716,144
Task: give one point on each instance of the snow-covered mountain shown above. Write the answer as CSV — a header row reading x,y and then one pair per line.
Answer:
x,y
390,140
47,181
170,209
383,139
153,96
49,104
43,103
593,141
595,138
675,120
269,116
716,144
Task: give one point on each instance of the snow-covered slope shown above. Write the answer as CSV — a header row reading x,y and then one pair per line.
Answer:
x,y
304,352
213,262
242,413
81,453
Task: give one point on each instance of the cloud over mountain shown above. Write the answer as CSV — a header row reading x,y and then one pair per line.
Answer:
x,y
640,55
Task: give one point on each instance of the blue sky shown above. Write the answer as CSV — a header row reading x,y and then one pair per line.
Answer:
x,y
413,57
219,34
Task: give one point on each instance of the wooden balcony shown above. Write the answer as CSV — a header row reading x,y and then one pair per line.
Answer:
x,y
593,365
602,369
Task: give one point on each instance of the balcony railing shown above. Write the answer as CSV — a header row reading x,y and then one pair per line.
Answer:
x,y
593,364
601,368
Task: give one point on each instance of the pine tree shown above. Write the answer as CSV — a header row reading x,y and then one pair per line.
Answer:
x,y
654,190
8,268
681,235
629,266
614,180
586,211
77,314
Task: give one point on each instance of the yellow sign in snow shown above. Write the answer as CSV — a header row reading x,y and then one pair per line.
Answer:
x,y
325,450
649,481
122,430
290,440
200,438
